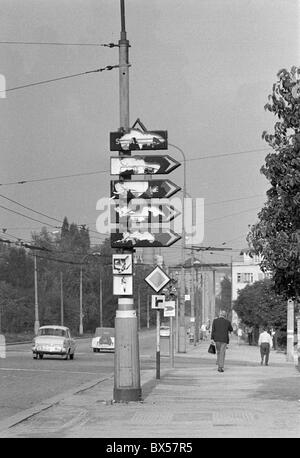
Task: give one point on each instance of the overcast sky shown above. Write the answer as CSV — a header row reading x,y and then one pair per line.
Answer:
x,y
200,69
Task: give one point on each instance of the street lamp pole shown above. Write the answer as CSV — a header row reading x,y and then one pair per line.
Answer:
x,y
181,331
101,301
36,305
61,300
127,384
80,304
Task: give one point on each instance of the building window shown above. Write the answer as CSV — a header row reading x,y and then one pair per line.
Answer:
x,y
245,277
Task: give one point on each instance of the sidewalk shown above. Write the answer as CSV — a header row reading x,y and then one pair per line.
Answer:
x,y
191,400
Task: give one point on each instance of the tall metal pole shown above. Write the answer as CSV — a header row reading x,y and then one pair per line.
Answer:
x,y
101,301
181,329
36,305
157,344
127,364
290,331
148,310
61,300
139,307
80,304
197,302
193,324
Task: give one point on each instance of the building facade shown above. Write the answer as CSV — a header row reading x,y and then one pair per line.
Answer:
x,y
245,272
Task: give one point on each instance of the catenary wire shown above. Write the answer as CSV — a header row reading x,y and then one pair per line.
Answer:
x,y
75,75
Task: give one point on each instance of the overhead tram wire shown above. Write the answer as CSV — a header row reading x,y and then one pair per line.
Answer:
x,y
59,177
232,214
39,213
28,208
28,244
227,154
75,75
28,217
33,180
53,43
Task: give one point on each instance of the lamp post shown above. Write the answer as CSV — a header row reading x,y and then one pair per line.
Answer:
x,y
36,304
80,304
181,330
61,300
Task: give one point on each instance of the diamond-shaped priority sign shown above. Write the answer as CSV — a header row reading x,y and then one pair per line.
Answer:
x,y
157,279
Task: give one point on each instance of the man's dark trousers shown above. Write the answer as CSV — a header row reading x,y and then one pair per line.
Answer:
x,y
264,352
221,350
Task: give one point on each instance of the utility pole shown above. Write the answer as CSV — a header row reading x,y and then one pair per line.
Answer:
x,y
148,310
193,324
80,304
126,364
139,307
197,303
36,305
61,300
181,313
101,301
290,331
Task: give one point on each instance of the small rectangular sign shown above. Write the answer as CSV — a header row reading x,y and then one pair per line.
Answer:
x,y
158,301
122,264
169,309
123,285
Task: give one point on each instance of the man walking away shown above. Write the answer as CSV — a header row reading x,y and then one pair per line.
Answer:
x,y
265,343
221,328
250,335
239,335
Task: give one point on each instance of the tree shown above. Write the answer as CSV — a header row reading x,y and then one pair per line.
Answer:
x,y
276,236
258,304
223,302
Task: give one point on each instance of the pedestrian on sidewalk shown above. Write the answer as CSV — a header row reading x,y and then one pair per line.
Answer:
x,y
203,331
221,328
239,335
273,333
265,343
250,335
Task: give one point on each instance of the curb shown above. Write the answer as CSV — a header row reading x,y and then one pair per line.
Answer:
x,y
44,405
50,402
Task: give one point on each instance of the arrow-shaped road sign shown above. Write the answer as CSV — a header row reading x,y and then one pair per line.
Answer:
x,y
139,210
137,238
142,165
137,139
143,189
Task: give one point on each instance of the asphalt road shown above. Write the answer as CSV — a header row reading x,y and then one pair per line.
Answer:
x,y
24,382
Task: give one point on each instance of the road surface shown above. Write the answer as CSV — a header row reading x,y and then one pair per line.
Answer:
x,y
25,382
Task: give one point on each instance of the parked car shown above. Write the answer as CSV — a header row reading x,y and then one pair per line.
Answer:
x,y
53,340
104,340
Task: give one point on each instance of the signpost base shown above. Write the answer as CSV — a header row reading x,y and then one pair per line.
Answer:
x,y
127,394
127,365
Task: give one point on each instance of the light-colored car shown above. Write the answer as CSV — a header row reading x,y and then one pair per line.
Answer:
x,y
53,340
104,340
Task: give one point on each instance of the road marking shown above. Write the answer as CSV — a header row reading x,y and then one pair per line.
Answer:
x,y
46,370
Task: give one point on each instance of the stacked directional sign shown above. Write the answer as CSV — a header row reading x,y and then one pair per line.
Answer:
x,y
140,209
